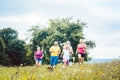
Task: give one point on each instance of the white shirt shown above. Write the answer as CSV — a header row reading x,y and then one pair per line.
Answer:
x,y
66,54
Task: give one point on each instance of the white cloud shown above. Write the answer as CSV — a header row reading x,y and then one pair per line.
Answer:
x,y
104,13
30,18
105,52
23,22
107,45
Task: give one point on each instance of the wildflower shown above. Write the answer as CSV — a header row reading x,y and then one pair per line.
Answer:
x,y
100,72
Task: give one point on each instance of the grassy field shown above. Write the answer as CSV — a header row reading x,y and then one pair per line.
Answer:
x,y
101,71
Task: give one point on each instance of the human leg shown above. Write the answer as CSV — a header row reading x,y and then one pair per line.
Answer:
x,y
40,62
79,58
51,60
55,61
36,62
82,58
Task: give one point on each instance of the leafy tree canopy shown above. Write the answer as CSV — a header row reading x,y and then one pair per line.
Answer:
x,y
59,30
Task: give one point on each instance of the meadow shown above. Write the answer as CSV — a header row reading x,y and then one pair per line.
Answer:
x,y
86,71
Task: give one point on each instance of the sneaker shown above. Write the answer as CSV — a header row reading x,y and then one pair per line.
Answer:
x,y
53,66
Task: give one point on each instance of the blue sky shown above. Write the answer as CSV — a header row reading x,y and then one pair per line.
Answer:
x,y
102,18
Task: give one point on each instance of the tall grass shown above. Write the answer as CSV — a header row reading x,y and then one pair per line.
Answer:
x,y
101,71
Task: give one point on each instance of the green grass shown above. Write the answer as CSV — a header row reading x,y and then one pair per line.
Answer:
x,y
101,71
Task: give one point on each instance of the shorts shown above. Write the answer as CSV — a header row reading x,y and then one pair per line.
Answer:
x,y
82,55
39,60
66,61
53,60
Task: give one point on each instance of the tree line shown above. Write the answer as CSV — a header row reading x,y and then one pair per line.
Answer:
x,y
14,51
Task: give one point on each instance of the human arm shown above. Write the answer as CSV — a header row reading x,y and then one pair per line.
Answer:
x,y
51,49
85,48
61,55
42,55
59,51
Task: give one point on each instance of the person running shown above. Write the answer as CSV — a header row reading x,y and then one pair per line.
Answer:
x,y
38,55
55,51
81,49
70,47
66,54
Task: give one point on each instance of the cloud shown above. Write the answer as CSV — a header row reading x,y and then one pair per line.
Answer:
x,y
23,22
107,45
106,52
31,18
102,17
71,8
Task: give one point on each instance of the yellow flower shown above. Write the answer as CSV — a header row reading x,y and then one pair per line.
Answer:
x,y
100,72
24,78
33,77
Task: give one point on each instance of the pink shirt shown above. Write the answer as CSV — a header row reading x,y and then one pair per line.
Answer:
x,y
38,54
81,49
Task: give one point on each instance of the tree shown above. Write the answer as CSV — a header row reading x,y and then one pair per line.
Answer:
x,y
3,57
8,34
59,30
16,52
29,57
14,48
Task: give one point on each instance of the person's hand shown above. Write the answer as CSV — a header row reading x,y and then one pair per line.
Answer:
x,y
41,57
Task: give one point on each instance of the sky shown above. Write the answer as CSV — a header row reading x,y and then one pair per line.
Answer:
x,y
102,18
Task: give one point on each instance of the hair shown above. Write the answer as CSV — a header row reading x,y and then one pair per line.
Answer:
x,y
68,42
38,48
55,42
80,40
